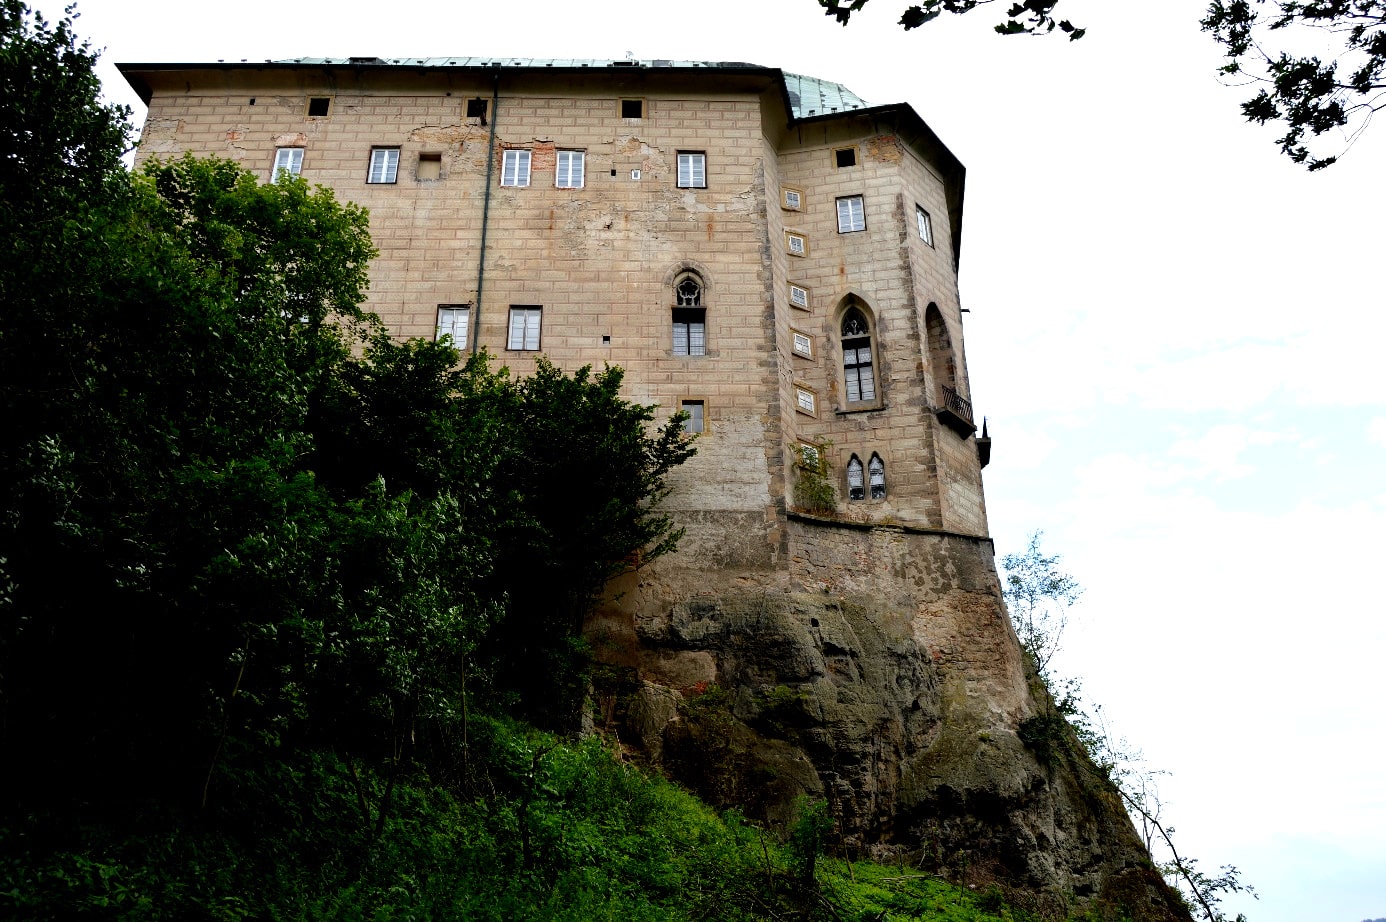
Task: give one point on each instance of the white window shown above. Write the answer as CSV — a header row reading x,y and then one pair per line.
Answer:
x,y
287,160
877,471
808,455
690,317
926,227
796,243
384,164
857,368
803,344
515,168
799,296
856,480
569,174
695,421
692,171
793,199
524,328
805,400
851,214
452,321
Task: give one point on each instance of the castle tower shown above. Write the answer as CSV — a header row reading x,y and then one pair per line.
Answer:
x,y
779,259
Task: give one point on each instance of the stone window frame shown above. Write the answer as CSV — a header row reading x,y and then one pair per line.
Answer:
x,y
872,335
805,400
791,198
683,271
804,304
621,108
790,237
702,403
311,103
848,152
796,336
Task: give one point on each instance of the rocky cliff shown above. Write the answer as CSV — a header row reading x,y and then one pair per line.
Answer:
x,y
876,669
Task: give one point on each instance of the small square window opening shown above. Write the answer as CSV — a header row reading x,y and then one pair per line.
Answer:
x,y
515,168
430,167
796,243
692,171
845,157
384,165
319,106
476,108
792,199
632,108
851,214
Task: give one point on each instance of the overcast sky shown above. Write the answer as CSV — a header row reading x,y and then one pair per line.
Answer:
x,y
1174,333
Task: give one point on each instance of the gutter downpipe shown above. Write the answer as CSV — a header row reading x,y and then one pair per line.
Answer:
x,y
486,208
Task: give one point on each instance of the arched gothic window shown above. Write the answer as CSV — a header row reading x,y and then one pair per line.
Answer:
x,y
876,470
690,317
856,483
857,370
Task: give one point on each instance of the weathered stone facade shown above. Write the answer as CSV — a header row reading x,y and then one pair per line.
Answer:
x,y
859,653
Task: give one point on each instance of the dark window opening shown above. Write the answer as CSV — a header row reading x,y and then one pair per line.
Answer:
x,y
632,108
476,108
318,105
846,157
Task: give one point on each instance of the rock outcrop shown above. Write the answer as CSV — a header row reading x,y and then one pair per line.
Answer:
x,y
880,673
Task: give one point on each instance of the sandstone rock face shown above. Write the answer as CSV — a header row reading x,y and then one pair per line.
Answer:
x,y
878,671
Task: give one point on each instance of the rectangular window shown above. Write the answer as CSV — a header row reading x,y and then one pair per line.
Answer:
x,y
803,344
851,214
524,328
476,108
515,168
797,244
690,331
808,455
692,171
695,421
452,321
287,160
805,400
926,227
632,108
791,199
569,171
845,157
384,165
319,106
799,297
430,167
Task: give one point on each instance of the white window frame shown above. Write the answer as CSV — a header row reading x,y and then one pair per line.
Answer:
x,y
808,455
805,400
570,170
791,199
287,159
926,225
526,324
454,320
851,214
799,297
796,243
692,170
515,163
384,165
801,343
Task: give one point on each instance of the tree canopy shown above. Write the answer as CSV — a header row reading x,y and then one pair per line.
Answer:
x,y
1324,98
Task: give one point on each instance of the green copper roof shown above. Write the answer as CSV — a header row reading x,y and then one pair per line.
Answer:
x,y
808,96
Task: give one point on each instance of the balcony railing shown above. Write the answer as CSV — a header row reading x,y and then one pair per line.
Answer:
x,y
956,412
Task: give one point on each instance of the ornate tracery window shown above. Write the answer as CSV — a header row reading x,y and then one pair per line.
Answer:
x,y
856,483
690,317
857,369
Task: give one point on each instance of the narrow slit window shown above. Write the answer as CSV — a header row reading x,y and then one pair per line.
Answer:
x,y
384,165
926,226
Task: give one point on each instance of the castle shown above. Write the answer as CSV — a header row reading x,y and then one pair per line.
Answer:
x,y
777,258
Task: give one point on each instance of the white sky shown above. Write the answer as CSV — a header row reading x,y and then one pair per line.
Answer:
x,y
1174,332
